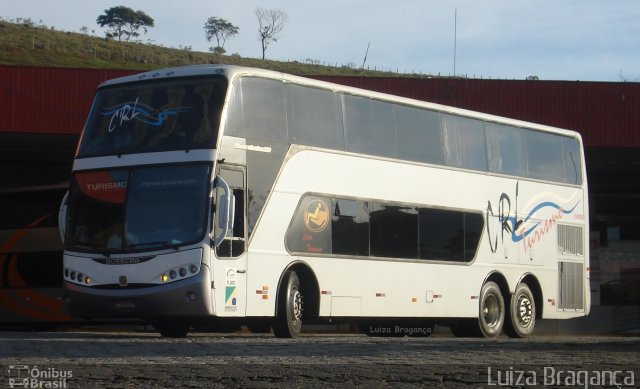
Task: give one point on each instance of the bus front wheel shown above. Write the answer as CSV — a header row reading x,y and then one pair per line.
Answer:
x,y
288,321
522,313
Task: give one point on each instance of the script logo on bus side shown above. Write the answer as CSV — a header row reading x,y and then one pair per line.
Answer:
x,y
527,229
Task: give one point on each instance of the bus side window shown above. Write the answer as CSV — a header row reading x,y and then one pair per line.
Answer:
x,y
238,243
233,244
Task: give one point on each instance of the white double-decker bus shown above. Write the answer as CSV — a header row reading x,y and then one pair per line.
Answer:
x,y
225,193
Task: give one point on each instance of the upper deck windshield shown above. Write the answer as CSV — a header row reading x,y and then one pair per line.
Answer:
x,y
157,115
138,209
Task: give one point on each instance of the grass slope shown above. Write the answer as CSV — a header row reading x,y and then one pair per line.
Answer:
x,y
26,44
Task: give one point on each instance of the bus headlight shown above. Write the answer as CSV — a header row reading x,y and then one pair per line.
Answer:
x,y
76,277
179,273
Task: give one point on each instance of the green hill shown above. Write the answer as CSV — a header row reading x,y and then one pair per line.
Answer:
x,y
28,44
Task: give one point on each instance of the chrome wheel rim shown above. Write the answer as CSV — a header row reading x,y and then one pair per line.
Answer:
x,y
491,310
296,306
525,311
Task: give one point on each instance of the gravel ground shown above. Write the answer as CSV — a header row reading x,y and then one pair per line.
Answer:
x,y
139,359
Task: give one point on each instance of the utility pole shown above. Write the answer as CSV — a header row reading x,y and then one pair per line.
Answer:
x,y
365,56
455,39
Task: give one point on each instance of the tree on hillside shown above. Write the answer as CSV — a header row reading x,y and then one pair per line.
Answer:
x,y
270,23
221,30
124,22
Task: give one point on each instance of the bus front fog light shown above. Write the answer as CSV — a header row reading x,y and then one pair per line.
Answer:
x,y
173,274
183,272
194,269
191,296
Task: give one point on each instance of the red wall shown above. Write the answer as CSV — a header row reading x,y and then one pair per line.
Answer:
x,y
56,100
48,100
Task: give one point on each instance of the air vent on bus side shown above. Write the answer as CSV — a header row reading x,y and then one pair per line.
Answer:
x,y
570,240
571,279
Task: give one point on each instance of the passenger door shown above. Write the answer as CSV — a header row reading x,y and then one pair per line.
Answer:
x,y
230,258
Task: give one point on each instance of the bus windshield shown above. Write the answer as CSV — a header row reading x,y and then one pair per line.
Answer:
x,y
138,209
163,115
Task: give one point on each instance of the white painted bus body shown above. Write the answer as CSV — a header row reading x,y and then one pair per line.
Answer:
x,y
247,286
410,288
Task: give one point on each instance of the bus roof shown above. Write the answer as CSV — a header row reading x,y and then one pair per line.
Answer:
x,y
231,72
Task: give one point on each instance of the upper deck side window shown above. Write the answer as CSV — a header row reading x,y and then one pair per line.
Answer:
x,y
257,109
572,161
505,149
157,115
419,134
369,126
287,113
464,142
544,156
272,111
314,117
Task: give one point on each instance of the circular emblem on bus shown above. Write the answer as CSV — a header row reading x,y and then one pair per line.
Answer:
x,y
316,216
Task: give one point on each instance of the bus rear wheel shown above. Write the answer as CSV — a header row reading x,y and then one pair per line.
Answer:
x,y
288,321
492,310
522,313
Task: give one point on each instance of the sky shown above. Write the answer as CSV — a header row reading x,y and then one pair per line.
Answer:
x,y
586,40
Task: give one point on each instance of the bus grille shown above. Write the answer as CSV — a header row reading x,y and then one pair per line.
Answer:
x,y
570,240
571,290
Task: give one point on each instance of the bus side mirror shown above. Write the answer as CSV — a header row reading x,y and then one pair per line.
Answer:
x,y
226,210
62,216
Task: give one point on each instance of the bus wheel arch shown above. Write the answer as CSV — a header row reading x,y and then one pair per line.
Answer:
x,y
297,291
525,306
536,289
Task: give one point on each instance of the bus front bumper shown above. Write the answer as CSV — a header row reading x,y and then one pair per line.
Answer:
x,y
189,297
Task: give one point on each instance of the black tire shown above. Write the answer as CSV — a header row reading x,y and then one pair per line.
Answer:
x,y
288,321
522,313
492,312
172,328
